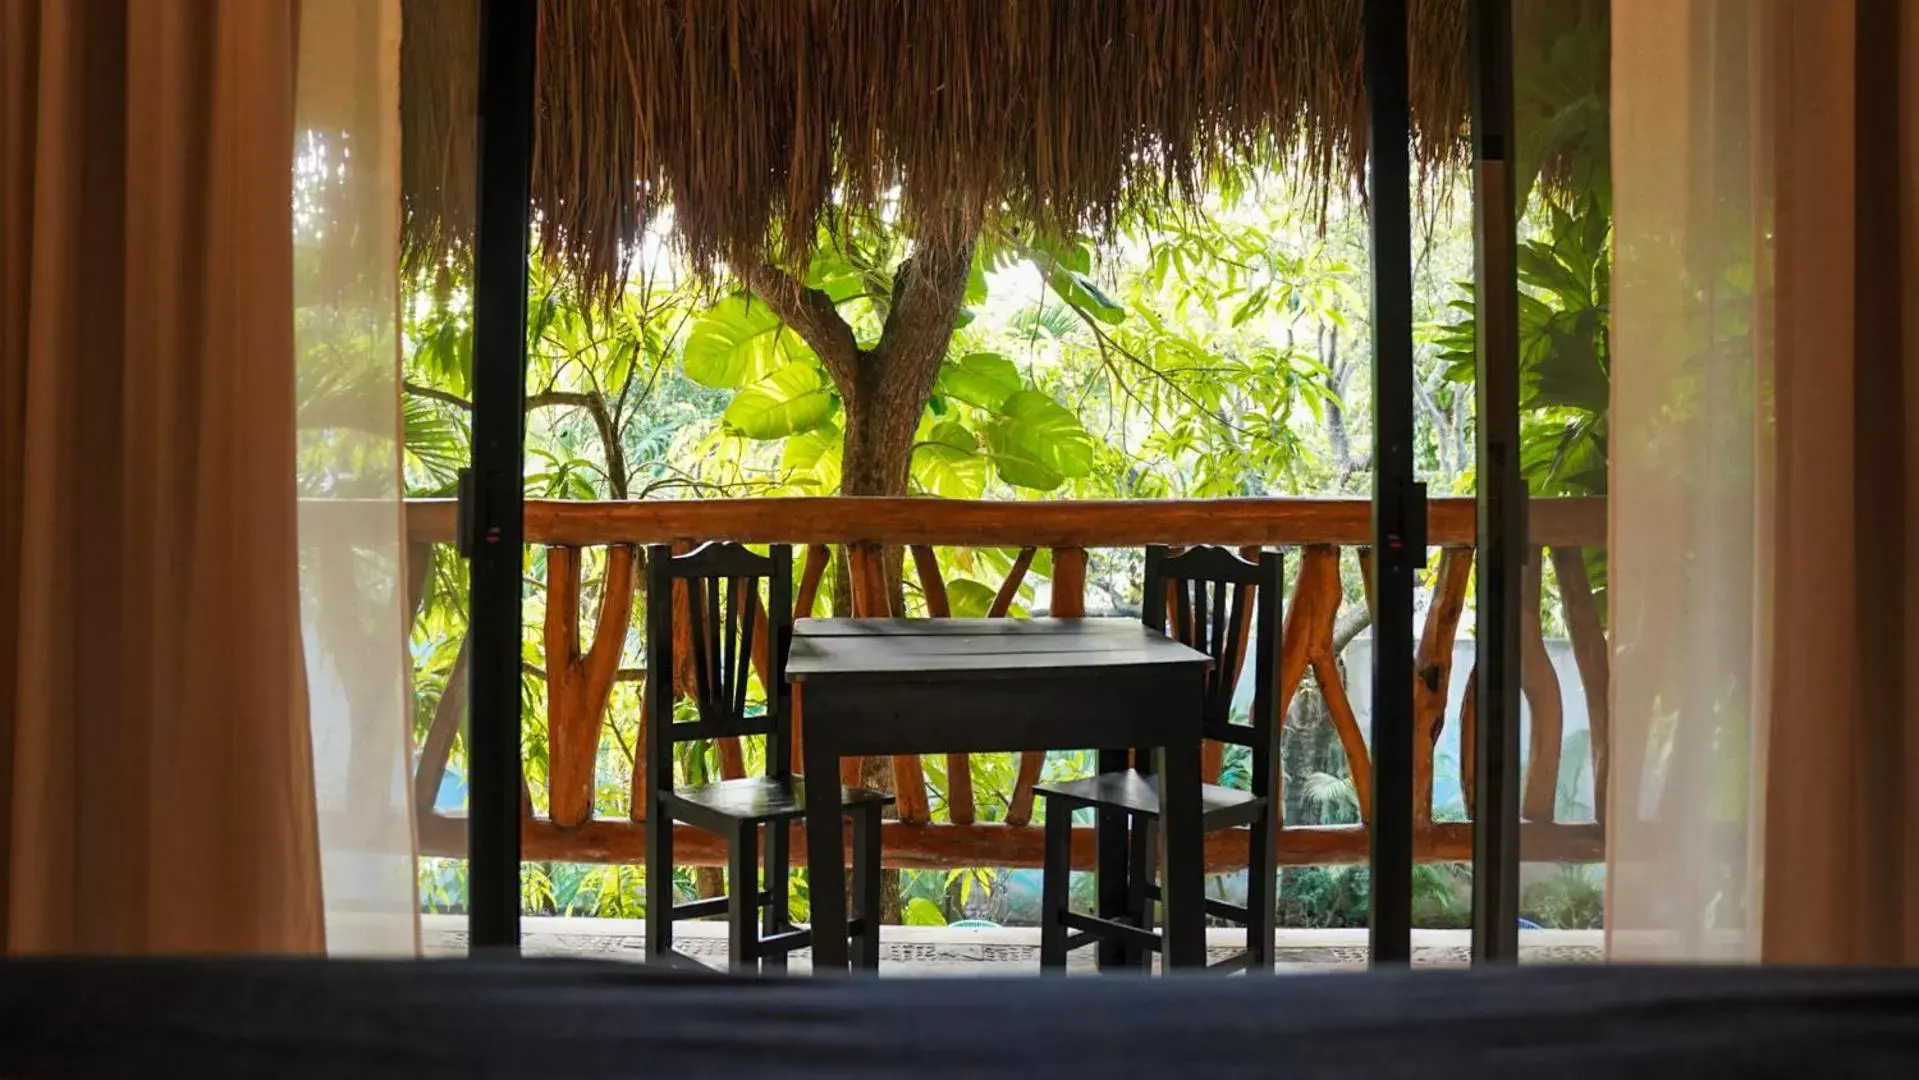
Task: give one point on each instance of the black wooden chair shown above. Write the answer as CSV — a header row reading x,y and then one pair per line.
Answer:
x,y
722,584
1206,590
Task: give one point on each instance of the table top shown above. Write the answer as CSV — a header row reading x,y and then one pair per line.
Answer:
x,y
896,649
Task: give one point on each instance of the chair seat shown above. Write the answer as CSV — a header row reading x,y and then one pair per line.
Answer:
x,y
1135,793
765,798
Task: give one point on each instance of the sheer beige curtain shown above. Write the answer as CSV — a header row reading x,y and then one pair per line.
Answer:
x,y
354,610
1766,399
157,764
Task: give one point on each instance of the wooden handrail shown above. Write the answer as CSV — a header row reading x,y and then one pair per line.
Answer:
x,y
1083,523
942,847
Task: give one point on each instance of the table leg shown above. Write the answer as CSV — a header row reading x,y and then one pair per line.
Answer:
x,y
1182,856
825,851
1111,871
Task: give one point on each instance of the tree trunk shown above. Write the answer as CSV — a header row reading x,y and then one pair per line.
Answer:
x,y
884,390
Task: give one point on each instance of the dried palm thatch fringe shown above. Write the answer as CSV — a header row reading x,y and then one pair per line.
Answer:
x,y
754,119
439,102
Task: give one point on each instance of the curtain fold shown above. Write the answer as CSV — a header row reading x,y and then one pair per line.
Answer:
x,y
1766,675
204,728
1841,783
156,779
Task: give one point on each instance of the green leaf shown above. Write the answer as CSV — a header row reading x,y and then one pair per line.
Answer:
x,y
1067,265
1069,254
620,366
1038,444
1078,290
982,379
1254,303
975,285
947,462
832,274
812,460
968,599
739,341
1540,268
796,398
923,912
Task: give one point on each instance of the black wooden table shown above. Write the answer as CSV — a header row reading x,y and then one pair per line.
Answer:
x,y
881,687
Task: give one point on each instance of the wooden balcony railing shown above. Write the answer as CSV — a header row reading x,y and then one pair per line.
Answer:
x,y
580,675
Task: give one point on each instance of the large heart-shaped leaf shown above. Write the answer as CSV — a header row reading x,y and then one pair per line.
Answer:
x,y
947,462
1035,443
739,341
798,397
982,379
812,460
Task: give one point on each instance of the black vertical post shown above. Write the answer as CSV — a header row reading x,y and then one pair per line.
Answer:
x,y
1399,502
1502,550
490,492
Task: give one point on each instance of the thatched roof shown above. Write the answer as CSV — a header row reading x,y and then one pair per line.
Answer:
x,y
753,118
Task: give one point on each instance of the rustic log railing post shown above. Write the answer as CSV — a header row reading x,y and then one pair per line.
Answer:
x,y
436,749
1317,596
1432,675
1469,741
1432,665
1009,589
578,683
1590,653
1541,685
637,791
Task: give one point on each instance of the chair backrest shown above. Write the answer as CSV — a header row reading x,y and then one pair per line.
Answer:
x,y
736,603
1217,601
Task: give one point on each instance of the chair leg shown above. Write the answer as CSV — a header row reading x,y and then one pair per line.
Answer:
x,y
777,918
1143,860
866,888
743,898
1055,880
659,884
1260,895
1110,873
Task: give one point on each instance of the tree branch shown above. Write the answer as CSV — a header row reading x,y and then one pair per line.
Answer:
x,y
1350,626
610,443
927,291
434,394
811,315
1437,418
595,405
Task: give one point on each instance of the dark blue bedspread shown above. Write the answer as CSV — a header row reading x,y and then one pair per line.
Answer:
x,y
569,1019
